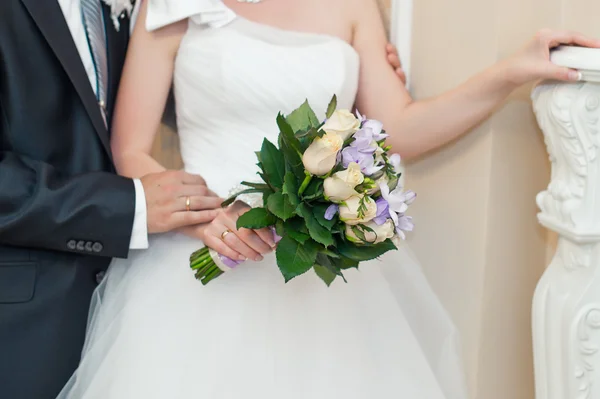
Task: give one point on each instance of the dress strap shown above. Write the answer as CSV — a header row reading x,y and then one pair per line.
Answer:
x,y
211,13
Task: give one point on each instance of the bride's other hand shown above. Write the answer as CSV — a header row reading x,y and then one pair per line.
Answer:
x,y
532,62
222,235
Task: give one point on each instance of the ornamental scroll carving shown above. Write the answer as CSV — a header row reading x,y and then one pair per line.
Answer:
x,y
569,115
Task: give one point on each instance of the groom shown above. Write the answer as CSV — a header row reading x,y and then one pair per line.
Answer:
x,y
64,212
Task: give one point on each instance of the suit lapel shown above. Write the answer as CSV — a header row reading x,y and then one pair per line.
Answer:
x,y
50,20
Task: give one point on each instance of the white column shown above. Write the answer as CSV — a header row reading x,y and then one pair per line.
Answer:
x,y
566,305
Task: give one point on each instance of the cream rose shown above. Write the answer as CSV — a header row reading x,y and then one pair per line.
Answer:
x,y
374,234
342,122
349,210
321,156
340,186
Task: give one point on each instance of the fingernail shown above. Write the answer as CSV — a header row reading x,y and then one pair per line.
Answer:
x,y
242,258
575,75
258,258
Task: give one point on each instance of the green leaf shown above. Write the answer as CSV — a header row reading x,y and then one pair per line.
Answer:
x,y
295,259
324,274
344,263
330,264
256,218
232,199
290,188
359,233
319,212
287,134
258,186
314,190
306,138
279,206
317,232
331,107
290,147
296,229
303,118
363,252
328,253
273,163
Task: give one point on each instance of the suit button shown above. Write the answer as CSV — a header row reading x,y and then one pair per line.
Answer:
x,y
100,276
89,246
97,247
81,245
72,245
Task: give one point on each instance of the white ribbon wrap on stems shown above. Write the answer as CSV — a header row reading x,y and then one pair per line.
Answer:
x,y
253,200
216,257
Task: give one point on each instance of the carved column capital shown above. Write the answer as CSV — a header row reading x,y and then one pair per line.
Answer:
x,y
569,115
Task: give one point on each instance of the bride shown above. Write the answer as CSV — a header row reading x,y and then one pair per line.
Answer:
x,y
154,331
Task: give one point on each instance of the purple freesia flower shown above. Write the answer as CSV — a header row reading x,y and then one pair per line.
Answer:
x,y
366,161
360,117
331,211
363,141
404,224
410,197
383,212
375,128
276,237
398,202
395,162
395,198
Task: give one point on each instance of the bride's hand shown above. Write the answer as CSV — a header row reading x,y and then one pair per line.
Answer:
x,y
236,244
533,61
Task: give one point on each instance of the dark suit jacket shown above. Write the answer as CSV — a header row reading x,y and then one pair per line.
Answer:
x,y
64,213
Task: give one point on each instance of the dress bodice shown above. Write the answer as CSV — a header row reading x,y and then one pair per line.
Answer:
x,y
232,76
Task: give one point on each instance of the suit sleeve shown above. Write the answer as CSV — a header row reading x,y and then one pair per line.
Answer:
x,y
40,208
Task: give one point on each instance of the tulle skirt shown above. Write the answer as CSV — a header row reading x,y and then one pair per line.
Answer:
x,y
156,332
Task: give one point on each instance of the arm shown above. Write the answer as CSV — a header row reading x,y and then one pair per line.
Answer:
x,y
41,208
140,106
413,131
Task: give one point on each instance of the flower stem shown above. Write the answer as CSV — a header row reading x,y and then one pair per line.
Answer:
x,y
214,273
305,183
200,263
204,265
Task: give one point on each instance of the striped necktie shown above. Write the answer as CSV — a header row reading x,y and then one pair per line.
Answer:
x,y
93,21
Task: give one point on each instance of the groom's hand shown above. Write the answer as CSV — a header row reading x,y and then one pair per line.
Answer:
x,y
176,199
394,61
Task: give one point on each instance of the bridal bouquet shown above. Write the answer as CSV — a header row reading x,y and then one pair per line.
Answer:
x,y
329,192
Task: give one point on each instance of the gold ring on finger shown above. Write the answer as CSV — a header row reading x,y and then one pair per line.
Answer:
x,y
224,234
188,203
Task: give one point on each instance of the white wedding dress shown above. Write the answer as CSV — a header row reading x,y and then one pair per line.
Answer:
x,y
157,333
